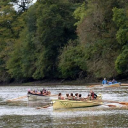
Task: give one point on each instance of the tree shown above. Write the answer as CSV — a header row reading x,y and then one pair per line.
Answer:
x,y
10,26
97,33
20,63
54,29
49,26
72,63
120,17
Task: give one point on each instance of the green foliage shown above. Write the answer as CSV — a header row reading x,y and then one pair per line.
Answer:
x,y
28,41
122,61
80,13
97,34
72,61
54,29
10,26
122,36
120,17
43,42
14,63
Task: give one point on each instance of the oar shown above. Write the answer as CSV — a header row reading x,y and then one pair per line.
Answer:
x,y
123,103
21,97
111,105
54,95
46,106
94,85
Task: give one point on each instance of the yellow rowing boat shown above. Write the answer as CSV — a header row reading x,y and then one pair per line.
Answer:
x,y
57,104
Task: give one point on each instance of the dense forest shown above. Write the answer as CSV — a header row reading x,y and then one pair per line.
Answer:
x,y
63,39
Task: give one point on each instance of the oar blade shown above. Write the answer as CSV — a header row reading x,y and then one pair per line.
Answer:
x,y
111,105
123,103
14,99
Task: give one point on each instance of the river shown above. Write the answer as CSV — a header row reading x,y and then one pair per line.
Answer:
x,y
24,113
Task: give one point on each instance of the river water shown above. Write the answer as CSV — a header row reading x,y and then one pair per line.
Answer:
x,y
24,114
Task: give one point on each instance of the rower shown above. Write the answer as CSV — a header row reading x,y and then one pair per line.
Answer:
x,y
92,95
60,97
71,97
76,96
67,96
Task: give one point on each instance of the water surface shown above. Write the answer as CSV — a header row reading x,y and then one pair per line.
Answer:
x,y
24,113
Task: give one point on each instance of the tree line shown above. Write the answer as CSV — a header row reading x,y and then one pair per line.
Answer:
x,y
69,39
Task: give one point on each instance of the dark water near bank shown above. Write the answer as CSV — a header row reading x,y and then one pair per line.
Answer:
x,y
24,114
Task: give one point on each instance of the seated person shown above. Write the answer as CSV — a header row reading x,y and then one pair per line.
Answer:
x,y
104,81
80,97
60,97
44,92
33,92
67,96
92,95
71,97
49,93
76,96
41,92
114,81
38,92
29,91
110,82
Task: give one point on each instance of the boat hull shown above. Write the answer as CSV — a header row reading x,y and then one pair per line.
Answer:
x,y
57,104
38,97
112,85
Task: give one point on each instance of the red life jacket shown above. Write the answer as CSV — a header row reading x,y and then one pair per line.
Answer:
x,y
92,94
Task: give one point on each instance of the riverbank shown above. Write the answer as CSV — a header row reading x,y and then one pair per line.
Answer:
x,y
59,82
51,83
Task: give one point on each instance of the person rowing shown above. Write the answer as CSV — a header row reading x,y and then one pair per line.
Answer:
x,y
42,92
71,97
67,96
60,97
76,96
92,95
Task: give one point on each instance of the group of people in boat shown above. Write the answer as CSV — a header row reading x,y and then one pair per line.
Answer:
x,y
78,97
41,92
109,82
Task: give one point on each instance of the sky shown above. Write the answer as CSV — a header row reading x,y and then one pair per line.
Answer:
x,y
16,6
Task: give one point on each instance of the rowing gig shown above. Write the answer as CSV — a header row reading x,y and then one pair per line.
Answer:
x,y
57,104
38,97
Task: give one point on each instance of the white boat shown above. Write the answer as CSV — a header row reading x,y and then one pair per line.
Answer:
x,y
38,97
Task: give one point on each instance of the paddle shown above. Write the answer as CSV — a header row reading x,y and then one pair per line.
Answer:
x,y
21,97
